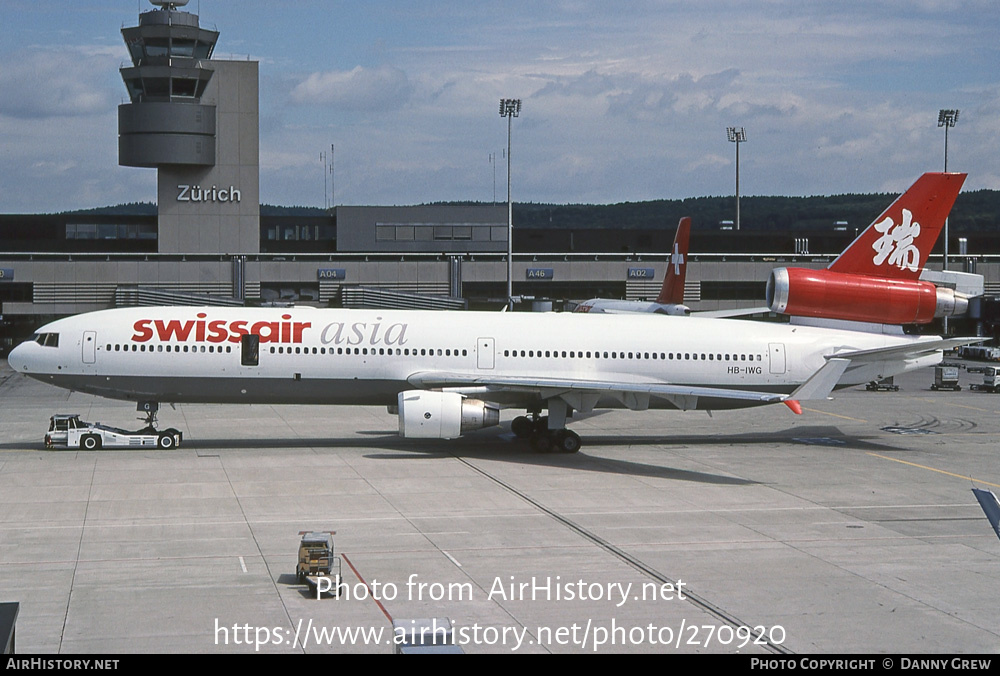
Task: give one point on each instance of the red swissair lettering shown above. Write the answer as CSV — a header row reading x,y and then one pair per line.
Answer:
x,y
218,330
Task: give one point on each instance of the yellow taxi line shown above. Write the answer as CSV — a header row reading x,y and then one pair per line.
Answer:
x,y
835,415
932,469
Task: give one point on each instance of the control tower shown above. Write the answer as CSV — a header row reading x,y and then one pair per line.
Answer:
x,y
196,121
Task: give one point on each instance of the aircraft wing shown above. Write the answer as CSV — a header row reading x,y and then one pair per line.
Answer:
x,y
583,395
429,379
641,308
621,311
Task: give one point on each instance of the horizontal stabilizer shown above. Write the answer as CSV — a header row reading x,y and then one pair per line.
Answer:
x,y
990,504
733,312
821,383
910,351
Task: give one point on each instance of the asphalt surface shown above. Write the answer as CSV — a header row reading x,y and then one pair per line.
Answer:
x,y
850,528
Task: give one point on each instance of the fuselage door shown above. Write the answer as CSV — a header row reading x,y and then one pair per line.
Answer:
x,y
776,355
484,353
89,347
250,350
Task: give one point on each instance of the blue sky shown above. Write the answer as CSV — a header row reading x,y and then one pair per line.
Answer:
x,y
621,101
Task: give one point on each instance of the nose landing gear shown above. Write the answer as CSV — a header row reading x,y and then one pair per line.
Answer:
x,y
149,408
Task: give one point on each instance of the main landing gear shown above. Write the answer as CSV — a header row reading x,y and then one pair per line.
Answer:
x,y
544,433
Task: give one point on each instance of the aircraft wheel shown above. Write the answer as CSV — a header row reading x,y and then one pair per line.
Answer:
x,y
90,442
521,427
542,443
165,441
541,425
567,441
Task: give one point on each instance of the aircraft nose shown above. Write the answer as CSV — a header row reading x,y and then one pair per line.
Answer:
x,y
19,359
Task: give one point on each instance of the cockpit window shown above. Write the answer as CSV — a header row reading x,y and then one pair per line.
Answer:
x,y
46,339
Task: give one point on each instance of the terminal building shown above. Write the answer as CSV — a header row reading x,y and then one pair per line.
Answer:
x,y
194,119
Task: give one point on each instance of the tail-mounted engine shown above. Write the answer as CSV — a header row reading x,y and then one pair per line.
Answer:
x,y
442,415
831,295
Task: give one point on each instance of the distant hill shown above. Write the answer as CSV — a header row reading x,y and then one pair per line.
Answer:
x,y
974,211
129,209
149,209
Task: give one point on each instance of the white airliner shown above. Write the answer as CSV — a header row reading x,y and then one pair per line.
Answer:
x,y
671,298
446,373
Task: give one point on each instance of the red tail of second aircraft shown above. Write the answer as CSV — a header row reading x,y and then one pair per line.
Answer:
x,y
877,278
897,243
672,291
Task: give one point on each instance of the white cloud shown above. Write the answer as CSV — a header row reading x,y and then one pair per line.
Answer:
x,y
68,82
361,89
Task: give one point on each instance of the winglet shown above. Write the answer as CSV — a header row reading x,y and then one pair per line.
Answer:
x,y
897,243
672,291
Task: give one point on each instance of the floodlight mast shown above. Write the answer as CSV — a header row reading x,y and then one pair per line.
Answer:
x,y
510,108
737,136
947,119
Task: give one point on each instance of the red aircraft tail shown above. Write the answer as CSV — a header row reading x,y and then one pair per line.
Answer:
x,y
898,243
672,291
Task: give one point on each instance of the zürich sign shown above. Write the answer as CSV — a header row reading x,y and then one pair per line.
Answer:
x,y
195,193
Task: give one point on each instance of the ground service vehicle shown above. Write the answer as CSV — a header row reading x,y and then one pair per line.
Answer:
x,y
946,378
316,557
981,352
991,383
69,430
58,425
883,385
